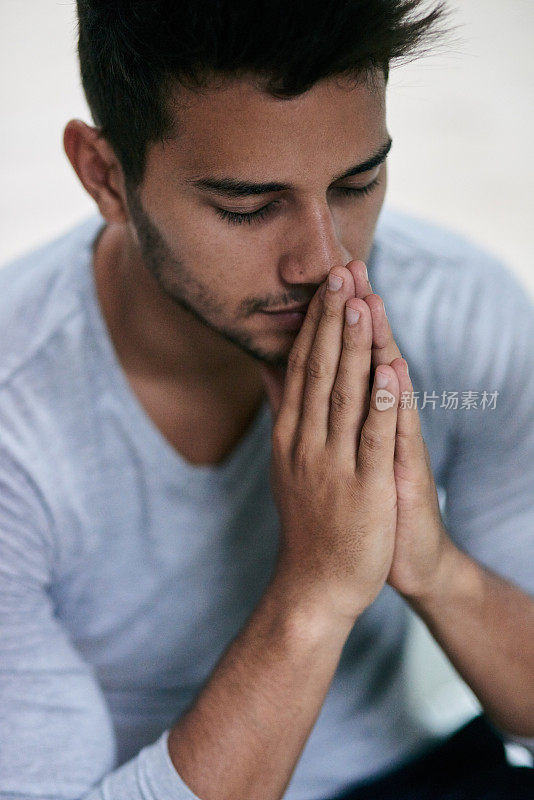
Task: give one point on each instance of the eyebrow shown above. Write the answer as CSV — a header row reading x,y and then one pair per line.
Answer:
x,y
233,188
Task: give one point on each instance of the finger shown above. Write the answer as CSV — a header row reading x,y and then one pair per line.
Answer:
x,y
385,348
324,357
377,439
295,377
410,447
362,287
349,403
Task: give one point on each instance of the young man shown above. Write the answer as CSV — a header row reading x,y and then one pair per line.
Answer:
x,y
213,515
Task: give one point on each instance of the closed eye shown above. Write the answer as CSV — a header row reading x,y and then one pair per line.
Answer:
x,y
353,191
238,218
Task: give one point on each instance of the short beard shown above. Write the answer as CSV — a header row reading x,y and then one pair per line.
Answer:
x,y
160,262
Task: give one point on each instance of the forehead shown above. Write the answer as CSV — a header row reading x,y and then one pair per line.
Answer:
x,y
235,128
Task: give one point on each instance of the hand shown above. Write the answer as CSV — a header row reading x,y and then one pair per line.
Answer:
x,y
332,457
421,541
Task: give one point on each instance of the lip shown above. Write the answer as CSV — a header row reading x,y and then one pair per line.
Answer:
x,y
290,320
302,309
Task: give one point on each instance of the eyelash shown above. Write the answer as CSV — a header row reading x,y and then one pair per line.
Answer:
x,y
237,218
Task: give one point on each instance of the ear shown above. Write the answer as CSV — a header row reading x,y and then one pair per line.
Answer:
x,y
98,169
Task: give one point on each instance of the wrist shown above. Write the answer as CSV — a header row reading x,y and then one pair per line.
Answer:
x,y
309,608
454,578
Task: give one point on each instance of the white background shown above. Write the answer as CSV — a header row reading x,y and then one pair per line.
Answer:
x,y
462,121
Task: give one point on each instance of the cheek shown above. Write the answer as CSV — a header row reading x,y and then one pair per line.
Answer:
x,y
229,265
241,254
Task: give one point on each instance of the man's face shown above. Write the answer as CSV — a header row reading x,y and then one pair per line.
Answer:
x,y
227,270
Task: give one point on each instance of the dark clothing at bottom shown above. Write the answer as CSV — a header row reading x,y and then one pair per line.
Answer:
x,y
469,765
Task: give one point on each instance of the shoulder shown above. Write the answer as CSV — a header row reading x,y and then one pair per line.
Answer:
x,y
42,331
409,239
42,375
39,292
460,304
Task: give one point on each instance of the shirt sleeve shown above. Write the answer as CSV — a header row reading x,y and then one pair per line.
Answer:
x,y
489,480
56,734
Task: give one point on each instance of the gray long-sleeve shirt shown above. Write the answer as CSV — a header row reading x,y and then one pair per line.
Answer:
x,y
125,570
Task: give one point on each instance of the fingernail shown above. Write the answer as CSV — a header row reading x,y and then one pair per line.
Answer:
x,y
382,379
335,282
352,316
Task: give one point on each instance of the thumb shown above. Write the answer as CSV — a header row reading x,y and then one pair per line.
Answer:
x,y
273,380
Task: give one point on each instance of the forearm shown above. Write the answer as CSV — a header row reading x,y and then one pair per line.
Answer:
x,y
247,728
485,625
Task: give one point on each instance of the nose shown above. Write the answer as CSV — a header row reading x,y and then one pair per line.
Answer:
x,y
313,247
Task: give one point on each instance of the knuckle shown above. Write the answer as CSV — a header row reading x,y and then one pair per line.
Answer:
x,y
316,367
330,309
315,310
404,439
351,342
371,439
374,299
296,361
301,454
411,440
341,398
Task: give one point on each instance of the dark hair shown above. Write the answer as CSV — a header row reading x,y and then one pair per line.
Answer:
x,y
132,52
